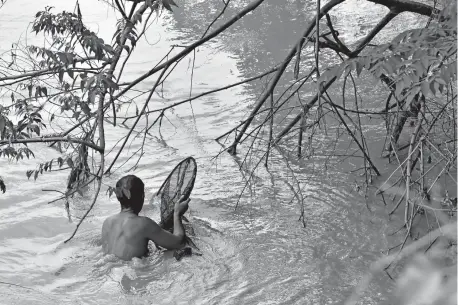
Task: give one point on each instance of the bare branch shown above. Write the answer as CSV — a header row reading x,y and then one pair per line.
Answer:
x,y
52,139
326,8
250,7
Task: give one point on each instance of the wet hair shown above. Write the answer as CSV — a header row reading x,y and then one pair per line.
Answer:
x,y
130,192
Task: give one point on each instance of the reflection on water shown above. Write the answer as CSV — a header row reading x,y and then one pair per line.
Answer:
x,y
258,253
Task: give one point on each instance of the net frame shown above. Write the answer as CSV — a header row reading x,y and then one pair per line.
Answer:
x,y
186,168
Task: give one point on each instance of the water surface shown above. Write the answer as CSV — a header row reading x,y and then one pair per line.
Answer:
x,y
258,253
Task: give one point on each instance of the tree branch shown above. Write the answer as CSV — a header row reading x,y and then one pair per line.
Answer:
x,y
380,25
52,139
253,5
137,120
204,93
298,46
406,6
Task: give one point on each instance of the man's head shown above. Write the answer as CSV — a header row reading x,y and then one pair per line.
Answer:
x,y
130,192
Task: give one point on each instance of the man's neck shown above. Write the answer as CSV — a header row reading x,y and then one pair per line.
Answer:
x,y
128,211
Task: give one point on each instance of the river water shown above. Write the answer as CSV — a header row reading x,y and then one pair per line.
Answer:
x,y
256,254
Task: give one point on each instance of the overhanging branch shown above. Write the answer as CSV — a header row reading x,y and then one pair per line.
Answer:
x,y
52,139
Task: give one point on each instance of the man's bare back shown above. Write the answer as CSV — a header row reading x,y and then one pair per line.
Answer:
x,y
126,234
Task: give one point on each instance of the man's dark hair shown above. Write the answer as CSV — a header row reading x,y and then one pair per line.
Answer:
x,y
130,192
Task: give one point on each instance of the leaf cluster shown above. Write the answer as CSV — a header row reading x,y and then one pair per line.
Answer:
x,y
419,60
70,25
47,167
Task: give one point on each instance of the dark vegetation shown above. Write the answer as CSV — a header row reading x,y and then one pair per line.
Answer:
x,y
81,74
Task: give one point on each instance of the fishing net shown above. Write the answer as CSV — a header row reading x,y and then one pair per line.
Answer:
x,y
179,183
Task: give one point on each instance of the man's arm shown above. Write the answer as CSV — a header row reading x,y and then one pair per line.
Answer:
x,y
164,238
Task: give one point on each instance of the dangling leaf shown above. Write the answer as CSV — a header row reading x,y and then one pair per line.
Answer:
x,y
85,108
2,125
166,4
2,186
70,162
70,73
30,87
359,67
61,76
399,88
425,88
80,192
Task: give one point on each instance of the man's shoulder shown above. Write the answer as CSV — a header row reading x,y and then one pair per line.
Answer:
x,y
148,222
109,219
146,219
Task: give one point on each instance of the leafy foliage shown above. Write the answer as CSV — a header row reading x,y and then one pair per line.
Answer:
x,y
46,167
13,153
419,60
75,58
69,25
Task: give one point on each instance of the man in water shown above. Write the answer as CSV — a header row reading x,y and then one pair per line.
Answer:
x,y
126,234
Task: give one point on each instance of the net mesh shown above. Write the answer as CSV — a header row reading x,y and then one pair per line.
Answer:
x,y
179,183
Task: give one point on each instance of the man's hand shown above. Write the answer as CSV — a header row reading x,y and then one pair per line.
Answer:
x,y
181,206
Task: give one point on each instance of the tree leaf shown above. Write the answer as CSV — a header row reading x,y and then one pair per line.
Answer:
x,y
89,82
425,62
359,67
166,4
2,186
399,88
69,58
127,48
441,81
82,83
85,109
70,162
91,96
36,129
61,76
425,88
2,125
432,88
80,192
